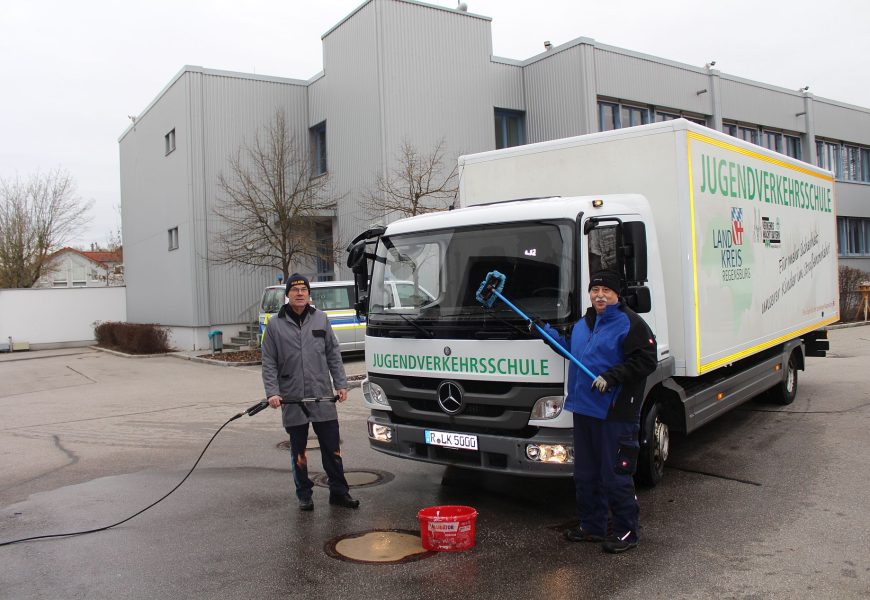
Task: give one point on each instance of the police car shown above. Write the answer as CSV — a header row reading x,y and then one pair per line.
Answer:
x,y
335,298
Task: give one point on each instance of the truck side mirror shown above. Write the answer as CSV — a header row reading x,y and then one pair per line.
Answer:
x,y
358,263
638,298
634,251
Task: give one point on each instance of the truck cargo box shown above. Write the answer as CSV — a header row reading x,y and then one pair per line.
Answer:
x,y
747,236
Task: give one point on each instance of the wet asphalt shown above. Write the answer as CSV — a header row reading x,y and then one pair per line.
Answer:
x,y
766,502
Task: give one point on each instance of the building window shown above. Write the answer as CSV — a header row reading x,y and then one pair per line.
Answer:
x,y
663,116
510,128
318,149
169,141
793,146
853,236
772,140
325,252
614,115
852,163
748,134
173,238
630,116
829,157
865,164
730,129
608,116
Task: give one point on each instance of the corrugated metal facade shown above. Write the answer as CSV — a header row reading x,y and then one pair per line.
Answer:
x,y
398,70
556,95
749,102
841,122
637,78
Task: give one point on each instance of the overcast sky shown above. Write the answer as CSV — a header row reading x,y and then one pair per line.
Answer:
x,y
72,71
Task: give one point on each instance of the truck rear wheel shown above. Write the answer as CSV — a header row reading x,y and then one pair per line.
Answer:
x,y
654,447
785,391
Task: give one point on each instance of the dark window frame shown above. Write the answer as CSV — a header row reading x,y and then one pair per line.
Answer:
x,y
319,165
505,120
169,142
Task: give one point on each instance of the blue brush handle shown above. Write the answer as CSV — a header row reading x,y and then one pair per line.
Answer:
x,y
556,344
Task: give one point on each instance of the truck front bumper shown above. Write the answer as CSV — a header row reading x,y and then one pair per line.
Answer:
x,y
495,453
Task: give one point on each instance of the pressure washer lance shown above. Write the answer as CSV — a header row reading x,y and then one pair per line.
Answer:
x,y
491,288
250,412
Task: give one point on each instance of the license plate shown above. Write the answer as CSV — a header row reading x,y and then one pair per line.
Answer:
x,y
451,440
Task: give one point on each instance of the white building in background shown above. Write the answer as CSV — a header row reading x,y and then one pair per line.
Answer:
x,y
69,267
400,69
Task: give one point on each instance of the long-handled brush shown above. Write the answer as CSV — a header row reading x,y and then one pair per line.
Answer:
x,y
491,288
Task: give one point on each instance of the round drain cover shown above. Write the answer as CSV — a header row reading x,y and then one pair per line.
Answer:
x,y
380,546
356,478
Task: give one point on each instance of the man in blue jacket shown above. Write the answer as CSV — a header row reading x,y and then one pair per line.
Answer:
x,y
614,342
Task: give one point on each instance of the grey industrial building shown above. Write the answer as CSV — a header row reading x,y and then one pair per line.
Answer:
x,y
397,70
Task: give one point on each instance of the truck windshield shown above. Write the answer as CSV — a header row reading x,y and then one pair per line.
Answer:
x,y
435,275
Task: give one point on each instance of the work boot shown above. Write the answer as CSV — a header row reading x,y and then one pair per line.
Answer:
x,y
306,504
578,534
344,500
617,544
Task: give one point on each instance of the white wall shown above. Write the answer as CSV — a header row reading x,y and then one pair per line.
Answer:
x,y
57,317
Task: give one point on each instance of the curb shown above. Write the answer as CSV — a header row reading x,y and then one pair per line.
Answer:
x,y
847,325
125,355
220,363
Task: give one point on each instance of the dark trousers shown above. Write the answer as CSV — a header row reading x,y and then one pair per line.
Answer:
x,y
599,485
330,455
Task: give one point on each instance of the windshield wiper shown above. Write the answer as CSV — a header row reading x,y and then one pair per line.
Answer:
x,y
418,327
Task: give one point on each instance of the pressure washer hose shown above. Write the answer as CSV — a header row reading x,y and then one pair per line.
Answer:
x,y
250,412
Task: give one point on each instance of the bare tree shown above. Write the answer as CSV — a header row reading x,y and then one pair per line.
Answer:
x,y
418,184
272,204
37,217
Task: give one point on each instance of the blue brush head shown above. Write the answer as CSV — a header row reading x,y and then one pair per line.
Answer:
x,y
494,282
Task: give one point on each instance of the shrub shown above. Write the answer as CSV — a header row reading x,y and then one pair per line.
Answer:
x,y
133,338
850,297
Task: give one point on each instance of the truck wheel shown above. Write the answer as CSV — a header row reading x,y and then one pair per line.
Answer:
x,y
654,447
786,390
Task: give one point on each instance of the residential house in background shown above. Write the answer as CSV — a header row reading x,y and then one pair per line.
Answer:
x,y
69,267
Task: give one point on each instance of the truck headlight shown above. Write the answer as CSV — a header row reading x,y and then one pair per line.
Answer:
x,y
550,453
373,394
548,407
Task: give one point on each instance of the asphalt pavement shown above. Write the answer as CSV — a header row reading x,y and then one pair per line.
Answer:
x,y
766,502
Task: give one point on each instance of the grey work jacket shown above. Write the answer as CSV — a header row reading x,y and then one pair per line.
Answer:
x,y
297,363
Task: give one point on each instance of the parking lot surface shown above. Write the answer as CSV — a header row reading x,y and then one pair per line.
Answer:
x,y
766,502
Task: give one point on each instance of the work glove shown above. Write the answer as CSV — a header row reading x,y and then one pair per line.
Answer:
x,y
600,384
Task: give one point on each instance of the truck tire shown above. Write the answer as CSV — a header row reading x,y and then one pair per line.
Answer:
x,y
785,391
654,448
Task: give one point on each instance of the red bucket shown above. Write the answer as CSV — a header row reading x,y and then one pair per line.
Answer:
x,y
447,528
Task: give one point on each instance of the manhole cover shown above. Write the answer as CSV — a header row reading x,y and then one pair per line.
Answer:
x,y
378,547
356,478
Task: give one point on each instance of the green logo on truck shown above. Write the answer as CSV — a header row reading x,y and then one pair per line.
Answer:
x,y
468,365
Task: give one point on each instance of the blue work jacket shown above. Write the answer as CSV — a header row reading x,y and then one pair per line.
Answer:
x,y
619,346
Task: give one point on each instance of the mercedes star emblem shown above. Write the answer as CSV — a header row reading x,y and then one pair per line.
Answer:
x,y
450,398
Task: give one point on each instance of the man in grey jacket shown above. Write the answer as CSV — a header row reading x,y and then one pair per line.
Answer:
x,y
300,353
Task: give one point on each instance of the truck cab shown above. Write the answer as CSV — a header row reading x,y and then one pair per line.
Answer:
x,y
450,381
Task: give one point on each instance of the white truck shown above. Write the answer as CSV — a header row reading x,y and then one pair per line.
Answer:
x,y
727,250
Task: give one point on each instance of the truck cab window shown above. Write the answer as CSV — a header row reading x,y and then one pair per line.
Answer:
x,y
602,249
